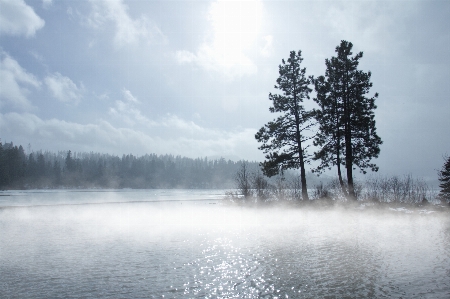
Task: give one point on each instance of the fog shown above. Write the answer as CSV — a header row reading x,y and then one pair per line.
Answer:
x,y
204,248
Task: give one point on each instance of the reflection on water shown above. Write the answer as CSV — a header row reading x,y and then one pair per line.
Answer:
x,y
201,250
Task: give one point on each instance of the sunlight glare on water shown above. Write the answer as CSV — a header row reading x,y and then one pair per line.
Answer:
x,y
202,249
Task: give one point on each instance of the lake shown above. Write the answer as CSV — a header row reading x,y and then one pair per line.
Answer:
x,y
188,244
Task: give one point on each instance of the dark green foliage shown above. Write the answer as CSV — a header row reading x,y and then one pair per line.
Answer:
x,y
56,173
347,133
70,164
13,162
94,170
444,178
283,139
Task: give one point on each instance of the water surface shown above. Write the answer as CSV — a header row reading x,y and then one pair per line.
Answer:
x,y
185,244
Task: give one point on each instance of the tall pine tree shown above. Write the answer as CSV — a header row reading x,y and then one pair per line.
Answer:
x,y
444,178
347,133
284,138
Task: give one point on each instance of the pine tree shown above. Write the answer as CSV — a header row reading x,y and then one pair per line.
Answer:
x,y
347,133
329,137
444,178
284,138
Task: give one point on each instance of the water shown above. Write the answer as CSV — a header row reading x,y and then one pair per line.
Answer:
x,y
186,244
28,198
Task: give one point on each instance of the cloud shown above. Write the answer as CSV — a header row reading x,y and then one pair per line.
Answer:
x,y
100,137
267,50
103,137
127,29
184,56
235,27
126,111
47,3
128,96
348,20
17,18
37,56
63,89
14,81
130,115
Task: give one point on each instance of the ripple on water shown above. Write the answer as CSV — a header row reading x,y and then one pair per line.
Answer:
x,y
149,251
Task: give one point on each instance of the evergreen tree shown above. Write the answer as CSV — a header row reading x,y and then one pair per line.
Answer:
x,y
41,165
70,164
3,170
330,135
347,133
284,138
56,173
444,178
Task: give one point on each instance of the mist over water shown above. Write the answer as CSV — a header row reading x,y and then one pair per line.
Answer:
x,y
167,248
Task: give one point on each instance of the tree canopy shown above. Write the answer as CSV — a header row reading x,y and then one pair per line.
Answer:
x,y
283,139
347,132
444,179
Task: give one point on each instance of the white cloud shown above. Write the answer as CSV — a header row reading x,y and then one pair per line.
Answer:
x,y
63,89
126,111
103,97
267,50
129,114
17,18
185,137
127,29
128,96
104,137
184,56
47,3
13,82
99,137
235,29
37,56
348,21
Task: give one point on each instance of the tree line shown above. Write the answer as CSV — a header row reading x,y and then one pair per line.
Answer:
x,y
65,169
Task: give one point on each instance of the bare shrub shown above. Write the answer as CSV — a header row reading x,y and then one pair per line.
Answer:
x,y
295,189
243,181
321,192
281,190
335,190
397,189
260,186
358,188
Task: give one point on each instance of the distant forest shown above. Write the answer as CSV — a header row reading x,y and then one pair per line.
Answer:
x,y
66,169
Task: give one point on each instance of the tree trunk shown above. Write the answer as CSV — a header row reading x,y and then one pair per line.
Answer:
x,y
349,157
303,176
300,149
349,166
338,153
302,161
348,141
341,181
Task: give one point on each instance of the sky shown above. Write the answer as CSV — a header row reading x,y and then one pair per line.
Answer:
x,y
192,78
